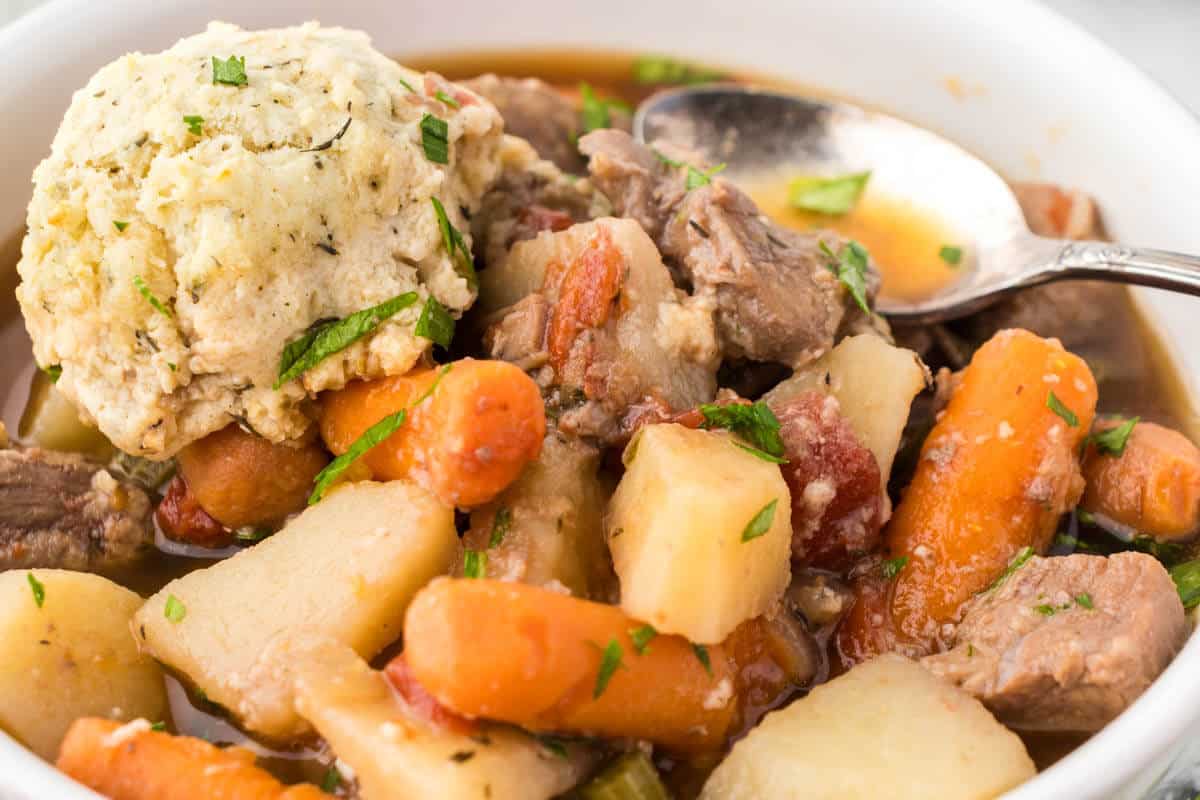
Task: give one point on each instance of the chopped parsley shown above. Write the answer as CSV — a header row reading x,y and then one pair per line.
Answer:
x,y
158,305
833,196
435,139
53,372
251,534
596,113
1023,555
435,323
428,393
695,177
756,423
332,780
1113,440
554,744
159,726
174,610
702,655
195,124
406,85
951,255
231,72
754,451
1056,405
641,637
456,246
370,438
892,566
500,525
610,660
447,99
850,267
120,225
1085,600
664,69
1187,582
38,589
1046,610
327,338
475,564
760,523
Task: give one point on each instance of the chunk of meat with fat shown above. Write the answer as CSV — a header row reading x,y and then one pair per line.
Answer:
x,y
592,312
59,510
776,297
1067,643
837,506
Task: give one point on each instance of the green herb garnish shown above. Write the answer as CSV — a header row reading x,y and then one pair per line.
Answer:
x,y
474,564
174,610
455,245
695,177
1045,610
760,523
850,266
664,69
1056,405
1085,600
702,654
641,637
38,589
195,124
951,255
435,323
332,780
447,99
150,298
159,726
833,196
231,72
630,777
120,225
1187,582
892,566
1023,555
554,744
754,451
596,113
1113,440
756,423
609,662
500,525
435,139
325,339
370,438
53,372
251,534
406,85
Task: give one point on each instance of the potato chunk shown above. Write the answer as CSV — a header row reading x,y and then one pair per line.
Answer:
x,y
346,567
681,530
874,383
396,755
72,657
886,725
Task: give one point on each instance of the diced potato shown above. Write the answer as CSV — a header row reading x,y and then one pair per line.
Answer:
x,y
677,525
550,522
347,567
51,421
397,756
72,657
885,727
874,383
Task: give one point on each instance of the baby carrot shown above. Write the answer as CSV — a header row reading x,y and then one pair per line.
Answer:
x,y
465,442
133,762
549,662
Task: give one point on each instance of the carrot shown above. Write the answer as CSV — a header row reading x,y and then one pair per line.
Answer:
x,y
1153,486
181,518
550,662
241,479
465,442
995,474
133,762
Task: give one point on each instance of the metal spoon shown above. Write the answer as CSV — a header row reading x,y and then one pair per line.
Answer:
x,y
758,132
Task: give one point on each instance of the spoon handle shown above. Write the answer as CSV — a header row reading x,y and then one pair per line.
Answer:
x,y
1117,262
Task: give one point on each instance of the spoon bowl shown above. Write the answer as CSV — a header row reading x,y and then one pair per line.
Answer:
x,y
757,133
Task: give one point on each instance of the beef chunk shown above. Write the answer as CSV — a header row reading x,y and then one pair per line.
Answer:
x,y
837,505
1067,643
775,297
533,110
593,313
58,510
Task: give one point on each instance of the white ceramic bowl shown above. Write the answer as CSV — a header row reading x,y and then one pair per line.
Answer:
x,y
1036,97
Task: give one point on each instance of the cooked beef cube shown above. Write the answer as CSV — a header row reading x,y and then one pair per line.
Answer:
x,y
1067,643
59,510
776,298
593,311
530,196
533,110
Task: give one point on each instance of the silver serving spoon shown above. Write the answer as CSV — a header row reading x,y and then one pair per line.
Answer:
x,y
758,132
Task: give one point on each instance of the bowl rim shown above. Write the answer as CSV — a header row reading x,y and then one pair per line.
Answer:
x,y
1111,758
